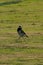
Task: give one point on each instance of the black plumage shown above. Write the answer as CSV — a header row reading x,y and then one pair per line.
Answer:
x,y
21,32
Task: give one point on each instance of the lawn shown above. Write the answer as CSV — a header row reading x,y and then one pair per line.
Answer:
x,y
23,51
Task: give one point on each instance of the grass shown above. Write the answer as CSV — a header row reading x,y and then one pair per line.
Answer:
x,y
25,51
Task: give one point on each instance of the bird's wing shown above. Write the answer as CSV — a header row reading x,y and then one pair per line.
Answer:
x,y
24,33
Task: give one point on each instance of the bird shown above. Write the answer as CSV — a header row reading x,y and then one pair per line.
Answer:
x,y
21,33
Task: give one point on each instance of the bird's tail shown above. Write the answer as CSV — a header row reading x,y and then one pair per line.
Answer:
x,y
26,35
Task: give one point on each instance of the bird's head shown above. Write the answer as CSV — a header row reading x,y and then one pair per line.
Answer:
x,y
20,27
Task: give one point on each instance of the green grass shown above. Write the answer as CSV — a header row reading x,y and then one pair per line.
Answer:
x,y
25,51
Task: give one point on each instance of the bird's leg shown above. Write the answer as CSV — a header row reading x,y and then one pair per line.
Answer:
x,y
19,37
17,40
